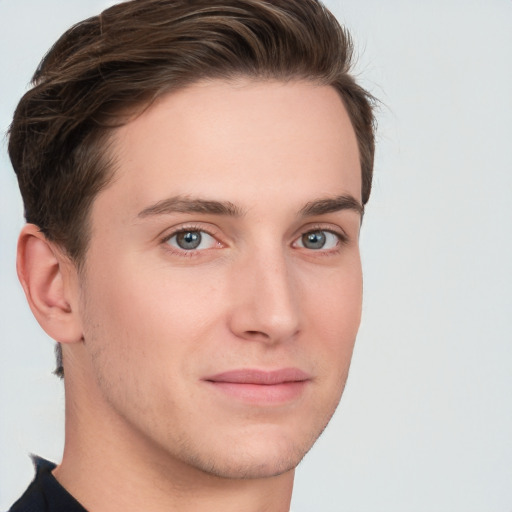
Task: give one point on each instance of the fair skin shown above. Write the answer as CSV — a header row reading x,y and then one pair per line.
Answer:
x,y
208,337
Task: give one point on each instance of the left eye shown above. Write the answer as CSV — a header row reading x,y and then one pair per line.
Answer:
x,y
318,239
190,240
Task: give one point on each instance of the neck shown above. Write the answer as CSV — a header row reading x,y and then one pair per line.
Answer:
x,y
109,465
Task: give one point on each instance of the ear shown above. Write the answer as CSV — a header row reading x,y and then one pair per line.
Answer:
x,y
50,281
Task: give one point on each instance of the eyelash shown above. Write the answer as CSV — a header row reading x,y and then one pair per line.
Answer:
x,y
341,236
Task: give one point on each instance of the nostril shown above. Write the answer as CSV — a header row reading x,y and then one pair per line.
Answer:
x,y
257,334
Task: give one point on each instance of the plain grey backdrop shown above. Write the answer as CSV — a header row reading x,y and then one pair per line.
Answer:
x,y
426,420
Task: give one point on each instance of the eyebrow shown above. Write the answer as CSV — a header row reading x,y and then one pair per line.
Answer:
x,y
183,204
331,205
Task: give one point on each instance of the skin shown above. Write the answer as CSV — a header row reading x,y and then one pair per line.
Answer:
x,y
146,324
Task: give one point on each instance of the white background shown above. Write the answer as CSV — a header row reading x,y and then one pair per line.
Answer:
x,y
426,420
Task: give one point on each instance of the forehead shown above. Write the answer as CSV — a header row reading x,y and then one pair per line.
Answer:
x,y
220,138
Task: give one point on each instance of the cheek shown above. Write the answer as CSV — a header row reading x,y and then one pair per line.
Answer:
x,y
153,308
143,328
335,300
333,318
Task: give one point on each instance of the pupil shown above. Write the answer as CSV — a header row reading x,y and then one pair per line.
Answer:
x,y
314,240
189,239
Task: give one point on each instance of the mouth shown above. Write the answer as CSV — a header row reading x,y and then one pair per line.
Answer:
x,y
260,386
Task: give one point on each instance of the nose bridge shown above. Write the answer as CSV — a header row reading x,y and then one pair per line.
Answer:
x,y
266,303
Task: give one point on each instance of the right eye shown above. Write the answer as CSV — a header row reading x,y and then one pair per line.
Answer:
x,y
191,240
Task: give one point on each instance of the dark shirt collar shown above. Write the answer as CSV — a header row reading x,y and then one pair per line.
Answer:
x,y
45,494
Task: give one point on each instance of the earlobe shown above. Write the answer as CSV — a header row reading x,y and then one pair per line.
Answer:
x,y
46,275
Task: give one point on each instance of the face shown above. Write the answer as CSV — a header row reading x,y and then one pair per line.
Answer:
x,y
221,292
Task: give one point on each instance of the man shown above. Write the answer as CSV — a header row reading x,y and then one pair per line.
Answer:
x,y
194,176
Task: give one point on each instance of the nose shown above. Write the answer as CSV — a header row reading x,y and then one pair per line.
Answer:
x,y
265,303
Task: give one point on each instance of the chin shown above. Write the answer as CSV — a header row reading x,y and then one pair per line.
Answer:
x,y
246,467
267,455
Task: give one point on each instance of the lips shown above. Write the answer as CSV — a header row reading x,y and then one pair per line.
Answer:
x,y
264,378
259,386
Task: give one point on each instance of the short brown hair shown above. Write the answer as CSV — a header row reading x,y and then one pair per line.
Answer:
x,y
135,52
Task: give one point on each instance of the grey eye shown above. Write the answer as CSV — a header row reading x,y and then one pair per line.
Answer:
x,y
314,240
188,240
321,239
192,240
